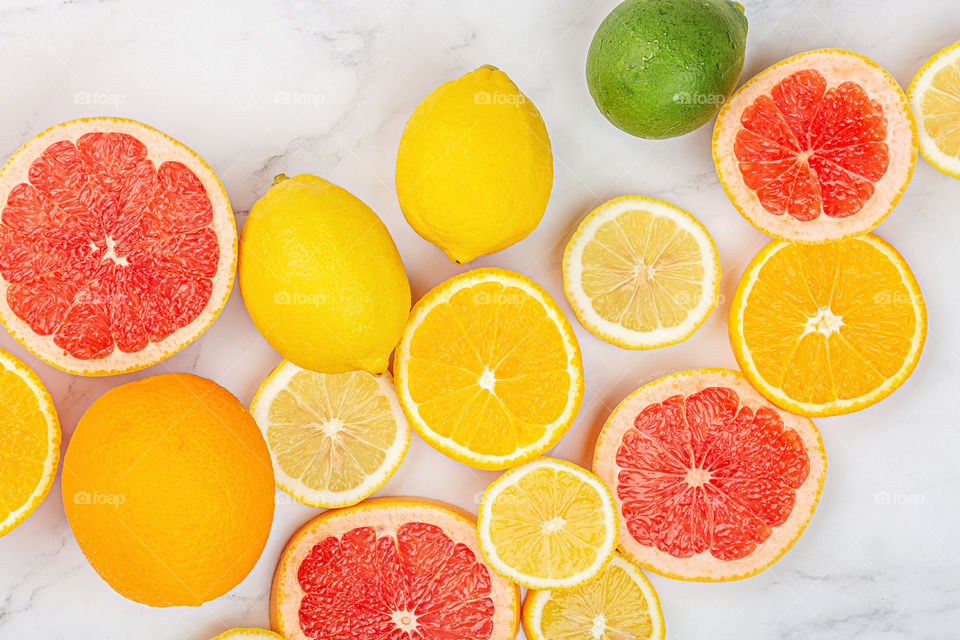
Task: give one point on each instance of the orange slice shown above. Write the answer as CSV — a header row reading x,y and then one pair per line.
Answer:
x,y
827,329
488,371
29,442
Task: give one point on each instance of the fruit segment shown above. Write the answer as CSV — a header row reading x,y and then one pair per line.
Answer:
x,y
934,95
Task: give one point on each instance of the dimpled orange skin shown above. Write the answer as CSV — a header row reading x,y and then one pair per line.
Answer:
x,y
168,488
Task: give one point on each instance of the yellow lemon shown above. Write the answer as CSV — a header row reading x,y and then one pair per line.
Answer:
x,y
474,169
321,277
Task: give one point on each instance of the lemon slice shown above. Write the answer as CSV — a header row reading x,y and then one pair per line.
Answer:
x,y
641,273
29,442
547,524
488,370
934,95
619,603
334,438
248,634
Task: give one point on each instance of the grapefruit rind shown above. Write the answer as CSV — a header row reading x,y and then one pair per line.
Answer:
x,y
838,407
921,83
836,65
703,567
161,148
616,333
45,405
532,611
295,488
486,515
441,294
386,515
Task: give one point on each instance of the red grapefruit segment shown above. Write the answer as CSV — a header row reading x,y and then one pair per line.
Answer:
x,y
711,481
117,246
817,147
391,568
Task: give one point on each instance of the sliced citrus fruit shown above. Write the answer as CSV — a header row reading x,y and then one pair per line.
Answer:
x,y
29,442
618,604
488,370
712,483
641,273
118,246
817,147
248,634
934,96
334,438
830,329
547,524
391,568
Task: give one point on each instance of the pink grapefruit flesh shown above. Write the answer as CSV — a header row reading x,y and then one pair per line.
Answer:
x,y
117,246
711,481
817,147
391,568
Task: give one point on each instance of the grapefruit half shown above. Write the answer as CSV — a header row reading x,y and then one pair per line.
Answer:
x,y
711,481
817,147
118,246
397,568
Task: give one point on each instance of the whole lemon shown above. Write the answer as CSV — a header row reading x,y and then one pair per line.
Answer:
x,y
475,168
168,488
321,277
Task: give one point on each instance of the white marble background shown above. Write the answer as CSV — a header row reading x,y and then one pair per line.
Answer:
x,y
263,87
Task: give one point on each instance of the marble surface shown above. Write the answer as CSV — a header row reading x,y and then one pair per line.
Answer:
x,y
263,87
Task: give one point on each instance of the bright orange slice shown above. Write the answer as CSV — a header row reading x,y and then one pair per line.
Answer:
x,y
489,371
827,329
29,442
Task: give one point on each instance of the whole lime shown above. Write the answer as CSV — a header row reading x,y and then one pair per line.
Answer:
x,y
662,68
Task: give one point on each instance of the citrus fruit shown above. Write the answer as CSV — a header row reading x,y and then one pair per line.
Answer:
x,y
817,147
248,634
168,489
321,277
547,524
662,68
712,483
488,371
335,438
474,169
619,603
641,273
29,442
831,329
934,96
117,246
391,568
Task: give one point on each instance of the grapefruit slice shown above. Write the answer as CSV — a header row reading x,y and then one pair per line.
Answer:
x,y
29,442
118,246
391,568
934,95
817,147
711,482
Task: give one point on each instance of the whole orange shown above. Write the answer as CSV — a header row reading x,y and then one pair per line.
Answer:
x,y
168,488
